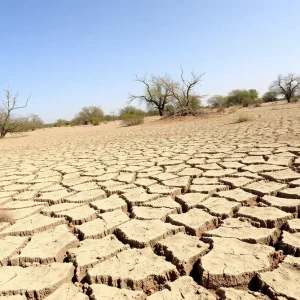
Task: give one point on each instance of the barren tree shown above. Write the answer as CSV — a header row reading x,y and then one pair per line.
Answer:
x,y
8,123
288,86
158,92
184,91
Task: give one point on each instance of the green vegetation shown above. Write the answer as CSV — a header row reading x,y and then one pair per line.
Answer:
x,y
236,97
89,115
162,96
132,116
269,97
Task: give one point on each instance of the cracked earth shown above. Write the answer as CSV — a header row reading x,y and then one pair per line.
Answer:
x,y
194,209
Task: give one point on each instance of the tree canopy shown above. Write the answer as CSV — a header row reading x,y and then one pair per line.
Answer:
x,y
89,115
288,86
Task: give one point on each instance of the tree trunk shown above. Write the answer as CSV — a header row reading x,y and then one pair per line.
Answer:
x,y
2,133
160,112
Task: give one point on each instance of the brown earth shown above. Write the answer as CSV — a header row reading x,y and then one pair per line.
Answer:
x,y
195,208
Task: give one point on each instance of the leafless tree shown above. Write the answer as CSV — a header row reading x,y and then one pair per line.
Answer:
x,y
158,92
8,123
184,92
288,86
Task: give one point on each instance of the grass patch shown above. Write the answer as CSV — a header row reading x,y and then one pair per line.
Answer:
x,y
243,118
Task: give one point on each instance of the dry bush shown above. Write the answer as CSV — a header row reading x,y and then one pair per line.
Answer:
x,y
243,118
221,109
179,112
232,109
295,100
5,216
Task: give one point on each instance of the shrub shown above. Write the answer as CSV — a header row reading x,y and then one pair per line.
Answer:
x,y
243,118
217,101
61,123
295,100
269,97
6,217
221,109
152,112
89,115
95,120
232,109
242,97
132,116
258,102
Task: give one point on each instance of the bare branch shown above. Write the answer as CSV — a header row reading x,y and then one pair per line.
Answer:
x,y
157,91
286,85
10,104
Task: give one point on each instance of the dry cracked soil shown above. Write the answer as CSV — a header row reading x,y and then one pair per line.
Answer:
x,y
202,208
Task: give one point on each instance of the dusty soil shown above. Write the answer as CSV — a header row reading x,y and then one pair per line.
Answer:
x,y
199,208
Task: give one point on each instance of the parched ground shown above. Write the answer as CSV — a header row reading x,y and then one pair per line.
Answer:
x,y
201,208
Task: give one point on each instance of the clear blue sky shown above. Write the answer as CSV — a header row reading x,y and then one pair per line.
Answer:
x,y
72,53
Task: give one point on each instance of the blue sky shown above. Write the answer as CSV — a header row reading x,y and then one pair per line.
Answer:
x,y
72,53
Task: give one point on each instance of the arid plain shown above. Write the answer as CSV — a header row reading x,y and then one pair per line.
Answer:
x,y
203,208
